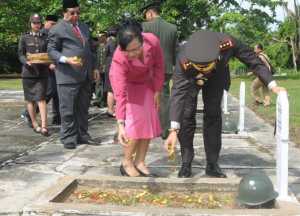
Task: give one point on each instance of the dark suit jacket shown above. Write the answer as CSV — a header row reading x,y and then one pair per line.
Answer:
x,y
167,33
62,41
182,80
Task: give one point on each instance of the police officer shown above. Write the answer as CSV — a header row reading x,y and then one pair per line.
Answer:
x,y
167,34
34,76
50,21
201,64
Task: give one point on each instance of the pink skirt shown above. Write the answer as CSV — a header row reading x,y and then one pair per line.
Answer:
x,y
142,118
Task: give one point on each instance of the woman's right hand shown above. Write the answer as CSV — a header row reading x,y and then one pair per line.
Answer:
x,y
123,140
28,63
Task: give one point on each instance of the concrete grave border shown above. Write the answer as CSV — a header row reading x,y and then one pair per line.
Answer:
x,y
48,203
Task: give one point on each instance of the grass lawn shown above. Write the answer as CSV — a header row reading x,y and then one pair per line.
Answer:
x,y
11,84
268,113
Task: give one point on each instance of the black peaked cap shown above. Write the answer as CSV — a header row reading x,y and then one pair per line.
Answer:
x,y
51,18
70,4
150,4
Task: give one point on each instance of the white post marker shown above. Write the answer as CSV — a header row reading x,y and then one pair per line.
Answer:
x,y
241,126
282,138
225,102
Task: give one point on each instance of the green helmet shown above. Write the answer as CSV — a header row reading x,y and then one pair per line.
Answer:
x,y
256,188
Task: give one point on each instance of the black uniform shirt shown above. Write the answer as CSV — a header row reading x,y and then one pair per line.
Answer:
x,y
183,79
33,43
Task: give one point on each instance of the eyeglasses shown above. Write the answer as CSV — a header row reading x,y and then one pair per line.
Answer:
x,y
72,13
134,50
36,23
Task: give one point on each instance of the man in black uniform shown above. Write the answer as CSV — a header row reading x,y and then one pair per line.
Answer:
x,y
50,21
201,64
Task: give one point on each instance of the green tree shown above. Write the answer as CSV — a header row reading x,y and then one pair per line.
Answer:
x,y
248,22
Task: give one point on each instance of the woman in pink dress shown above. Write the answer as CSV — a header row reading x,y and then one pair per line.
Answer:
x,y
137,76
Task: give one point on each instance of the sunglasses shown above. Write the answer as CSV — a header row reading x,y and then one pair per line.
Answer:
x,y
36,23
74,12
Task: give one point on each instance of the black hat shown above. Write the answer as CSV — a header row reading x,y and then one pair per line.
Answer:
x,y
112,31
70,4
203,47
35,18
149,5
51,18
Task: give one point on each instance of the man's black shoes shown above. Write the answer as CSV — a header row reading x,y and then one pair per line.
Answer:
x,y
213,170
69,145
185,171
88,141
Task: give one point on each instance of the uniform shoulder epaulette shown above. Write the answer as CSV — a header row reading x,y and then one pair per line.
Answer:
x,y
226,44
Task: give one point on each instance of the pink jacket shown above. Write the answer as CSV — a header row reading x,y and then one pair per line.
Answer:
x,y
124,71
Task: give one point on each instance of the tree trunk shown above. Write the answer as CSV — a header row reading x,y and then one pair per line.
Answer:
x,y
297,36
294,54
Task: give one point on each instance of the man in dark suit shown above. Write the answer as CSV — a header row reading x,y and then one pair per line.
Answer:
x,y
167,33
69,46
201,64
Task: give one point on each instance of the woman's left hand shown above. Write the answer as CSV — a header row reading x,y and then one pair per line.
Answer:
x,y
157,100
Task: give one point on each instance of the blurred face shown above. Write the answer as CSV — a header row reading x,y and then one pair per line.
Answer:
x,y
49,24
102,39
134,49
36,26
72,15
256,49
149,15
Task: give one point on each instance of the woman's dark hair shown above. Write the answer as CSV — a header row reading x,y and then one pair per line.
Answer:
x,y
128,31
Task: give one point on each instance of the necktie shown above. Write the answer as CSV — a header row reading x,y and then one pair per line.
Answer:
x,y
77,33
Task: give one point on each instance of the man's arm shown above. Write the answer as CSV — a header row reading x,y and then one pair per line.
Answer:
x,y
248,57
178,93
175,47
54,47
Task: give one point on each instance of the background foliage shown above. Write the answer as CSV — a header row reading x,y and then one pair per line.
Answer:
x,y
251,22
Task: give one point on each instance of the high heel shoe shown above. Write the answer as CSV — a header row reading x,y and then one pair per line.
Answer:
x,y
123,171
145,174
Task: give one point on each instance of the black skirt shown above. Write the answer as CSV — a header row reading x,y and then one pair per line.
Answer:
x,y
35,89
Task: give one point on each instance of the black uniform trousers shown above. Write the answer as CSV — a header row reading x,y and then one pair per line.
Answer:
x,y
52,94
212,93
74,104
